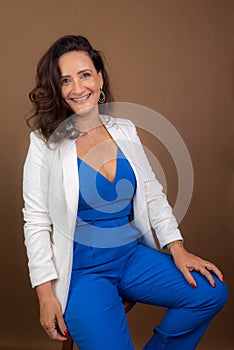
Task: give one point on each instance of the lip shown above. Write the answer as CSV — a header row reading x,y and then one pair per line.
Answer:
x,y
81,99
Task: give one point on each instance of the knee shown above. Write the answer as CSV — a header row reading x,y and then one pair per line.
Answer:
x,y
220,294
217,297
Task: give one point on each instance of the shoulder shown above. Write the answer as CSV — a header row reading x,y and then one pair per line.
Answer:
x,y
37,143
36,137
125,122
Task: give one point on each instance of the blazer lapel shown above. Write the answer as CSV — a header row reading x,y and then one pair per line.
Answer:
x,y
70,181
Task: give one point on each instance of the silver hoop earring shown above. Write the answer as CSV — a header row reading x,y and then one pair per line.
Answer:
x,y
102,97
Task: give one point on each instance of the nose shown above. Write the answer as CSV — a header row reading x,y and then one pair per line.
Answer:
x,y
77,87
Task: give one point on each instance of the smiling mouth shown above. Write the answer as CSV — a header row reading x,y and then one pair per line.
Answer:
x,y
84,98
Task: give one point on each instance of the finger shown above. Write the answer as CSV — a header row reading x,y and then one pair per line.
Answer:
x,y
189,278
62,326
211,267
204,271
50,328
54,334
202,267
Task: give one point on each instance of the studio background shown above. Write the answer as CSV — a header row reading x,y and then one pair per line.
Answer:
x,y
172,56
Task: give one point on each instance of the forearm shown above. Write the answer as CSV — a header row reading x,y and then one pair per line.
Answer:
x,y
44,291
161,215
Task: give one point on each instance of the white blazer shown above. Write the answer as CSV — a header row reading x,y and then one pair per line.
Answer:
x,y
51,194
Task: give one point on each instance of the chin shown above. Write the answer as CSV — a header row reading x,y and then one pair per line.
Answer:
x,y
83,110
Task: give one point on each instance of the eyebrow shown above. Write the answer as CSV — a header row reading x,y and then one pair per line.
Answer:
x,y
81,71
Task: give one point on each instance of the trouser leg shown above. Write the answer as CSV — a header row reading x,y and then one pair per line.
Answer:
x,y
151,277
95,315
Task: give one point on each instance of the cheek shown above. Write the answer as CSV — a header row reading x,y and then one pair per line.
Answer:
x,y
96,86
64,91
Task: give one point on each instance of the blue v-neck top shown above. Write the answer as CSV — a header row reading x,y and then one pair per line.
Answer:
x,y
105,207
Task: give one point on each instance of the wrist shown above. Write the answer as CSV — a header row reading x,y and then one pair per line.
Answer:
x,y
175,245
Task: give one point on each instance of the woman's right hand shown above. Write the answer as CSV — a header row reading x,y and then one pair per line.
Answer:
x,y
51,316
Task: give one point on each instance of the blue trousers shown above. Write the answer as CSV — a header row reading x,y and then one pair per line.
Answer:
x,y
101,277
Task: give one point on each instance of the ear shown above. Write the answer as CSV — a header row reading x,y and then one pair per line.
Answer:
x,y
100,78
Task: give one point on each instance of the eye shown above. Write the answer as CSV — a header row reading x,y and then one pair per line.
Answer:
x,y
65,81
85,75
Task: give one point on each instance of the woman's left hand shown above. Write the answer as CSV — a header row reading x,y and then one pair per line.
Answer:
x,y
187,262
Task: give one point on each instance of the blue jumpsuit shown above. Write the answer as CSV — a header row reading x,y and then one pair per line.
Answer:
x,y
109,264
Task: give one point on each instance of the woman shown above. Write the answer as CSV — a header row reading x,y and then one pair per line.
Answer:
x,y
91,200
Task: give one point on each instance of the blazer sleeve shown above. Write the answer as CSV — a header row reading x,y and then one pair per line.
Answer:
x,y
38,225
159,210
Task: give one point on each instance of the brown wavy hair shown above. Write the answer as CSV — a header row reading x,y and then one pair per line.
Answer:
x,y
49,108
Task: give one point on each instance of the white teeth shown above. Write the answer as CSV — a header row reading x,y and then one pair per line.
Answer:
x,y
81,99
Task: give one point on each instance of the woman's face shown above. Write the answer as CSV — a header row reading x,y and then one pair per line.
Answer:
x,y
80,82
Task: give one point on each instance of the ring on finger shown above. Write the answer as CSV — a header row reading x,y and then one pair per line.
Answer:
x,y
207,265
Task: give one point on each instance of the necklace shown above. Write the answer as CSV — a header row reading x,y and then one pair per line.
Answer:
x,y
84,133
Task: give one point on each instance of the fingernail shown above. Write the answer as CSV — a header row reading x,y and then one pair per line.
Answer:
x,y
222,279
214,284
193,285
66,333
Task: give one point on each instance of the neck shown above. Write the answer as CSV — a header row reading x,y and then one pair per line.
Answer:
x,y
88,120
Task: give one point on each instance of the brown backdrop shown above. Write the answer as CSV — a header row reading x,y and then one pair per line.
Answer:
x,y
172,56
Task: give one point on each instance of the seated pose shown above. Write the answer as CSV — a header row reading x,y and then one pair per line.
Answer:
x,y
91,200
